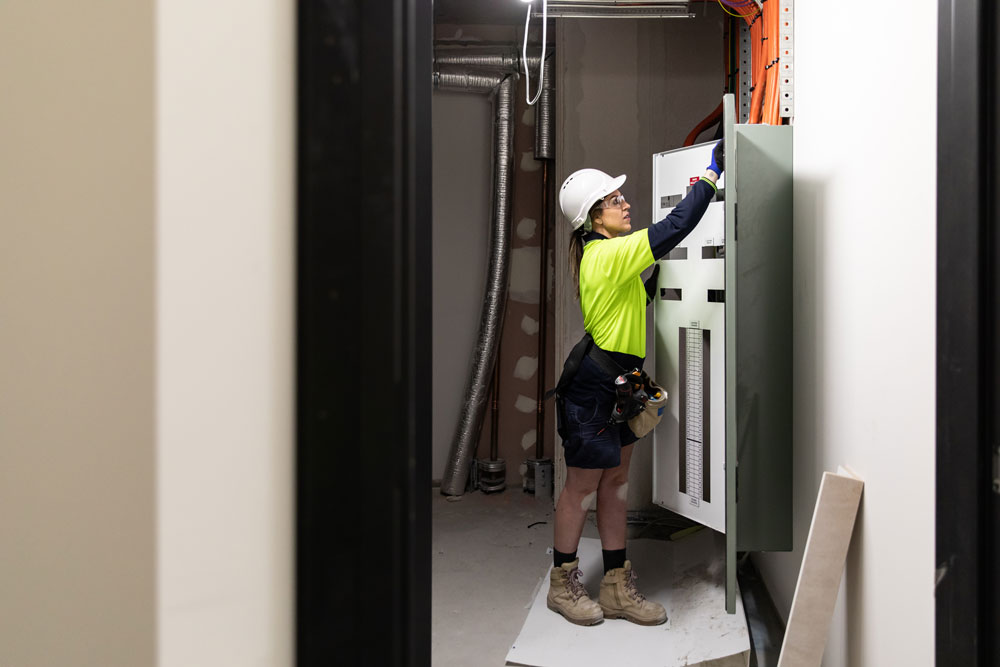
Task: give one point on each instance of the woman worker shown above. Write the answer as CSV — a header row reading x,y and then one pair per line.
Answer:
x,y
606,262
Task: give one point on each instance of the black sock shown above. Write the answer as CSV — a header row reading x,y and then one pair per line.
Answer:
x,y
613,559
558,557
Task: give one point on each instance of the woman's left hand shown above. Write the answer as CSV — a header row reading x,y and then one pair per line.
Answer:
x,y
718,159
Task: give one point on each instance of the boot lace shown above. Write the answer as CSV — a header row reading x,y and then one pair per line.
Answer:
x,y
630,580
574,585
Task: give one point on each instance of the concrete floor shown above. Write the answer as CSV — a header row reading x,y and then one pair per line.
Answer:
x,y
489,552
486,562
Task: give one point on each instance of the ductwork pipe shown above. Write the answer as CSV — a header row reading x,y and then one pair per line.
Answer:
x,y
468,81
508,62
544,114
495,302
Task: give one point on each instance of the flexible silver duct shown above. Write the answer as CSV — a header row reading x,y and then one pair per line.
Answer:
x,y
491,321
468,81
492,61
509,62
544,113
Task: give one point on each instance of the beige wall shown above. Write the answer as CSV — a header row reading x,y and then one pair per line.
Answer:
x,y
628,88
77,521
225,314
146,318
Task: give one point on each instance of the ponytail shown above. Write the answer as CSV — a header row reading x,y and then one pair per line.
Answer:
x,y
576,244
575,257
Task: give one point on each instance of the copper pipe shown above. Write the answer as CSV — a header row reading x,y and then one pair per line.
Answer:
x,y
543,293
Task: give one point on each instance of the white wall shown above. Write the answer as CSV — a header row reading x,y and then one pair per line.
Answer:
x,y
224,326
77,530
864,303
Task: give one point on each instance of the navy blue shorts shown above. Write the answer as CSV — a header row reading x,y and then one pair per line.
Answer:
x,y
589,440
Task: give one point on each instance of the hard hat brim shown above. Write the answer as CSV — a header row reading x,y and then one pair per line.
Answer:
x,y
615,185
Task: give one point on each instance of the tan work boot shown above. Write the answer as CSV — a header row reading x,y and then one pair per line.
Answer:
x,y
568,597
620,599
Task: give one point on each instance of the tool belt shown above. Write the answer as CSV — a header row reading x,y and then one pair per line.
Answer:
x,y
639,400
652,410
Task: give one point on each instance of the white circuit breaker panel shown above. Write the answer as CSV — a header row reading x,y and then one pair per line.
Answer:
x,y
689,319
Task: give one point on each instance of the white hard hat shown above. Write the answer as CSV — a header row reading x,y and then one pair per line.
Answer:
x,y
582,189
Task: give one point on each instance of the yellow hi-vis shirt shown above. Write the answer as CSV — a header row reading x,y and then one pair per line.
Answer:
x,y
612,296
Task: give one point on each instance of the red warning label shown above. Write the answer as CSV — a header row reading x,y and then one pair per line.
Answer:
x,y
694,179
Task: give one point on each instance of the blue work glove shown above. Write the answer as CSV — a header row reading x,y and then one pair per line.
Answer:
x,y
718,158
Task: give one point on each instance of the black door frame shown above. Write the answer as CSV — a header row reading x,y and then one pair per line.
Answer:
x,y
966,619
363,334
363,529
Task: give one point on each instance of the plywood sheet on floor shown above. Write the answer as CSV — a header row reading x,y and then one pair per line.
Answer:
x,y
687,577
821,571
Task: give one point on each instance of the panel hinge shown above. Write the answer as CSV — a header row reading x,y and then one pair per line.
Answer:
x,y
996,469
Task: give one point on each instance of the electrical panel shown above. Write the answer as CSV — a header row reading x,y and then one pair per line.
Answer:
x,y
723,345
689,343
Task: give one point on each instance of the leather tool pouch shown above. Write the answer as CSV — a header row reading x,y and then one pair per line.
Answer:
x,y
646,421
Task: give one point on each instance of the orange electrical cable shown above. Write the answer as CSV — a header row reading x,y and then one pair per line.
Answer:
x,y
775,69
760,73
765,70
764,49
757,63
769,53
765,36
716,115
772,40
774,109
709,120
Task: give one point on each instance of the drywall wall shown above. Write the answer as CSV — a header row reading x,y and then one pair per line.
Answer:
x,y
864,318
628,88
77,515
462,150
462,200
224,327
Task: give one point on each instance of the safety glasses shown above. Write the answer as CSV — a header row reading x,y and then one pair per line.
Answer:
x,y
615,202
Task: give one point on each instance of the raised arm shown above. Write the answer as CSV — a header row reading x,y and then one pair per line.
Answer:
x,y
667,233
